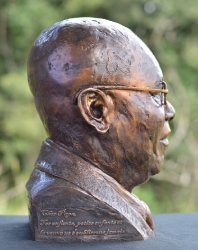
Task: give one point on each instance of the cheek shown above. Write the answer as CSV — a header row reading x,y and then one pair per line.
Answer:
x,y
150,117
139,121
136,129
139,126
133,137
155,121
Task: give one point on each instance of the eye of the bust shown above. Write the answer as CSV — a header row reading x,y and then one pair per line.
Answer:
x,y
157,97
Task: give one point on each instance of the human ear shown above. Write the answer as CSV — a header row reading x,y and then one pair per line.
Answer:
x,y
96,108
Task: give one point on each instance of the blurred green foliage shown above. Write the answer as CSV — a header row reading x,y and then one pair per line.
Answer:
x,y
169,28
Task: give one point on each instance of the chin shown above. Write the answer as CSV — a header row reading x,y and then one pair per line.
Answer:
x,y
157,165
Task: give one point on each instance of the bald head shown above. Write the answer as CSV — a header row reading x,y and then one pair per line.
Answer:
x,y
101,50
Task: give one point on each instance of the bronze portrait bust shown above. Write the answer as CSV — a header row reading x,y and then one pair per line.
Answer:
x,y
100,94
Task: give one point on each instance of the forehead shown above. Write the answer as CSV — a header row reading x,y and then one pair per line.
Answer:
x,y
145,70
131,64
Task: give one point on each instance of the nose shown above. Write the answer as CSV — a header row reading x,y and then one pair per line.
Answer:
x,y
169,111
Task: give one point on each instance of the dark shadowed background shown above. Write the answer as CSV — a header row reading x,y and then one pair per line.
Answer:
x,y
169,28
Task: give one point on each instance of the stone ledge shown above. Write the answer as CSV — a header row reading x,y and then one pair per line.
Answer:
x,y
172,232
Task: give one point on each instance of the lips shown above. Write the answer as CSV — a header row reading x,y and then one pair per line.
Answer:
x,y
165,132
165,142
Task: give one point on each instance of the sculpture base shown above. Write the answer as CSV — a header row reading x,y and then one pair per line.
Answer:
x,y
71,200
61,212
94,222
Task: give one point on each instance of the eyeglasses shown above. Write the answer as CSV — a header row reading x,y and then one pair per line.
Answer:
x,y
163,91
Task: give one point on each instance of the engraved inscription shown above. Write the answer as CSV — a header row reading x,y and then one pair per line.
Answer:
x,y
59,213
82,223
85,232
76,222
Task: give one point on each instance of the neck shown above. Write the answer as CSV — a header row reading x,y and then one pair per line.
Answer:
x,y
103,159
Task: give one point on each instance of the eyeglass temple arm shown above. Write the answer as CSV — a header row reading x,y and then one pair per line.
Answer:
x,y
119,87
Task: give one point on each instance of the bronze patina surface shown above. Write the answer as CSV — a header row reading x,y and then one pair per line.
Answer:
x,y
100,94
